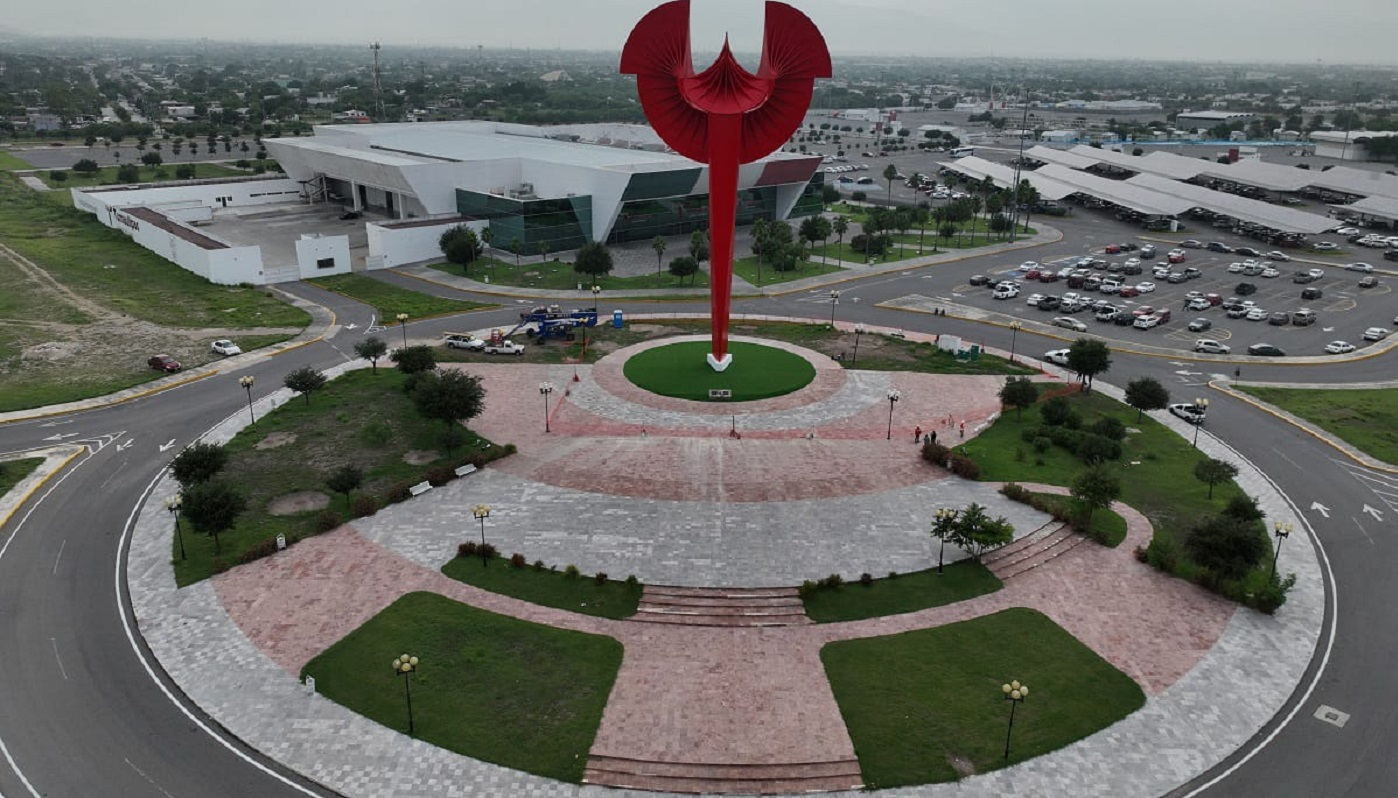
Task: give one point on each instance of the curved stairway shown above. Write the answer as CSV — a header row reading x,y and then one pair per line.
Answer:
x,y
721,606
1033,550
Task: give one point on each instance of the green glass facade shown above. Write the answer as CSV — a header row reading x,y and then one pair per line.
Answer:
x,y
557,224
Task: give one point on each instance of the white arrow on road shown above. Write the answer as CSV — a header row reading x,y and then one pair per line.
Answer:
x,y
57,423
121,447
1378,516
1327,329
61,437
351,326
1320,508
1190,373
165,447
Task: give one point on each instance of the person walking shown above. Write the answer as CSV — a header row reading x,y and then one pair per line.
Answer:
x,y
962,430
917,433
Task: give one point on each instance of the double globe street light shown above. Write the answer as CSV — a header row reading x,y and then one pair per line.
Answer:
x,y
1200,407
1014,693
246,381
482,512
893,397
404,666
546,388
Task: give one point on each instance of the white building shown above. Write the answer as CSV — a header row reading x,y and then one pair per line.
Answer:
x,y
1203,120
1349,145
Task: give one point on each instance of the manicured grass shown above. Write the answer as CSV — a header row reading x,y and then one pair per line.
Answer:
x,y
916,702
1107,525
106,175
12,472
680,370
746,268
551,588
1365,419
885,353
361,418
894,595
1156,467
107,267
559,276
390,300
9,162
514,693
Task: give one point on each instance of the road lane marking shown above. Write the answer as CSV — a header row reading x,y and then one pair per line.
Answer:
x,y
60,556
61,669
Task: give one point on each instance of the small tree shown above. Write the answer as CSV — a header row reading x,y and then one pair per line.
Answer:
x,y
658,244
460,245
1096,488
152,159
1019,393
58,175
1226,546
86,166
683,267
1146,393
451,396
128,173
1088,358
371,349
977,533
198,463
415,359
1212,472
212,508
305,381
890,173
594,259
699,246
346,479
184,171
516,247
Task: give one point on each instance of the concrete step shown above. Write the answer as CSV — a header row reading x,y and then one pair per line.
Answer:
x,y
1042,557
1039,546
729,607
751,592
1031,539
720,620
723,779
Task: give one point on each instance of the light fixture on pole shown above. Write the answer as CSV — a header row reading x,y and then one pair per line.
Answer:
x,y
1014,693
834,300
404,666
246,381
482,512
173,504
596,289
1282,531
1200,406
403,325
546,388
893,397
1014,334
858,331
941,527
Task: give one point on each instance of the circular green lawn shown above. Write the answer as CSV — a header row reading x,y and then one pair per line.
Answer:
x,y
681,370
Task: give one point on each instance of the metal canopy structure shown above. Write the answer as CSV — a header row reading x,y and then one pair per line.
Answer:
x,y
1378,207
1349,180
1269,176
1274,217
1003,176
1118,192
1061,157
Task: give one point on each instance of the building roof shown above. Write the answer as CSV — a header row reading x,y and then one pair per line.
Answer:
x,y
1221,116
1275,217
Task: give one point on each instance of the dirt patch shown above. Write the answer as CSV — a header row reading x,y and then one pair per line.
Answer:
x,y
51,351
420,456
295,503
275,440
963,766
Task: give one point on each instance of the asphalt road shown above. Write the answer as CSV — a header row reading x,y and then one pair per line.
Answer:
x,y
84,717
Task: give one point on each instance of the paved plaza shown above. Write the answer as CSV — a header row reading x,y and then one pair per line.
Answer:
x,y
630,483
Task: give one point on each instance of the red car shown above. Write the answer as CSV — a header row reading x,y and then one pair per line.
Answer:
x,y
1113,249
1175,257
1048,277
1032,274
1128,292
164,363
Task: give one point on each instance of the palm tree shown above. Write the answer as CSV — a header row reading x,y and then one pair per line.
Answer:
x,y
920,214
840,226
543,248
890,172
516,246
658,244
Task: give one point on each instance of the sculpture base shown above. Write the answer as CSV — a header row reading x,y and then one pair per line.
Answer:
x,y
719,365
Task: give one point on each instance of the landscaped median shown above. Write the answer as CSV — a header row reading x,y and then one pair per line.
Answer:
x,y
389,300
1366,419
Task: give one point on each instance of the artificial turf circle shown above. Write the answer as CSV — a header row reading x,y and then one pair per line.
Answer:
x,y
680,370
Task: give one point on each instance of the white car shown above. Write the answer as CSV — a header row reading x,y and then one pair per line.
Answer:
x,y
464,341
1198,303
1359,267
1146,322
1070,323
1110,287
1005,292
1211,347
1326,246
1316,274
1376,333
1339,348
1057,356
1256,314
1033,300
1027,265
1145,287
1278,255
1236,267
1132,262
225,347
1347,231
1191,413
1269,272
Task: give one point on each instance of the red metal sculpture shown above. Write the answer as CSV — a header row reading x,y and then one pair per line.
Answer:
x,y
724,116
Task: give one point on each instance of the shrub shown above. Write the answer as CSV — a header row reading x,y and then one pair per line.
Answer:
x,y
572,572
439,475
1094,448
508,449
1109,428
1041,445
965,467
364,505
1243,508
866,579
467,549
599,578
326,520
632,582
806,589
1055,411
1272,595
892,574
487,551
399,492
832,581
1015,492
262,548
936,454
1163,554
218,565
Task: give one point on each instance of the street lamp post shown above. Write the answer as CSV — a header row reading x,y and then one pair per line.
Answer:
x,y
1014,693
942,525
858,331
1282,531
403,325
546,388
893,396
1014,335
173,504
596,289
404,666
482,512
1201,405
246,381
834,300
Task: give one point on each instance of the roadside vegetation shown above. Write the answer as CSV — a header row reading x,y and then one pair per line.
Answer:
x,y
567,589
389,300
13,472
1365,419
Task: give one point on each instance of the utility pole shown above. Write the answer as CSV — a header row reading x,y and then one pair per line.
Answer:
x,y
378,86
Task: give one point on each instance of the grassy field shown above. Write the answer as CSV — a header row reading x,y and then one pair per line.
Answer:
x,y
361,418
12,472
9,162
1157,465
904,593
107,175
1365,419
926,706
746,268
510,692
550,588
559,276
390,300
680,370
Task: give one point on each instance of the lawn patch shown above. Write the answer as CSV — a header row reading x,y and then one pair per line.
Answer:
x,y
680,370
895,595
546,587
1365,419
514,693
747,269
914,703
390,300
559,276
12,472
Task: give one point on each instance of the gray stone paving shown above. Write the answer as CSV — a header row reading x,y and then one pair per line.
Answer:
x,y
1177,735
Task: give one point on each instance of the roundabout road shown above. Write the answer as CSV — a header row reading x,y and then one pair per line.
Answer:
x,y
84,714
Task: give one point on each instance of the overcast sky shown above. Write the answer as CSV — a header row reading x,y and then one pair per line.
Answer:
x,y
1344,31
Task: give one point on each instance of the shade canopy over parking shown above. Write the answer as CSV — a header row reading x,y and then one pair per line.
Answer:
x,y
1061,157
1273,217
1349,180
1376,207
1003,176
1269,176
1118,192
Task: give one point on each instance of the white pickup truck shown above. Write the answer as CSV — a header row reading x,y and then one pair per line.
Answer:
x,y
464,341
504,348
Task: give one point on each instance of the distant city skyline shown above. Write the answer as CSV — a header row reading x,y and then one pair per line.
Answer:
x,y
1274,31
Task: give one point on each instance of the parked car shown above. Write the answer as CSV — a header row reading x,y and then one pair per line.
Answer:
x,y
1189,412
1376,333
1146,322
1301,278
1278,255
1256,314
164,363
1191,243
1325,246
1316,274
1197,303
979,279
1245,289
1176,256
1049,302
1006,292
1215,246
1368,281
1359,267
464,341
1247,252
1057,356
1211,347
1270,273
1070,323
1339,348
1265,350
225,347
1279,318
1304,317
506,347
1033,300
1146,287
1200,325
1128,291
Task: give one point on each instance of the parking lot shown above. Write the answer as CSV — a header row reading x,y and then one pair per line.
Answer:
x,y
1341,309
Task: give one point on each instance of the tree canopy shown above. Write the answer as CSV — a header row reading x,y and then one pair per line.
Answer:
x,y
212,508
1088,358
198,463
371,349
1146,393
305,381
593,259
1019,393
1212,472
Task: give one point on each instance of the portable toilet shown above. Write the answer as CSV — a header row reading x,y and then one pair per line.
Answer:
x,y
616,319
